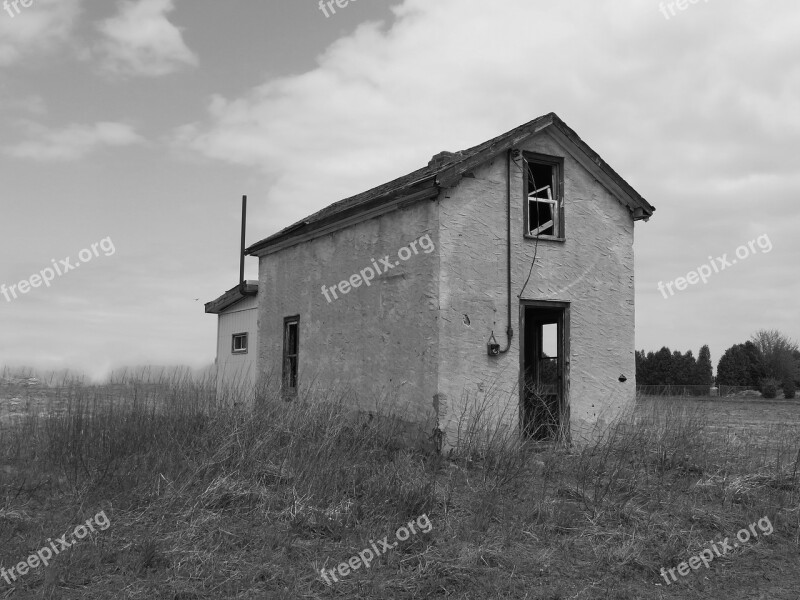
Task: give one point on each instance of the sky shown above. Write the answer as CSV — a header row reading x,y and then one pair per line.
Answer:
x,y
130,130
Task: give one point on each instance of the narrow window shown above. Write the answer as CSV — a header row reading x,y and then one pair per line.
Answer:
x,y
239,343
543,197
291,346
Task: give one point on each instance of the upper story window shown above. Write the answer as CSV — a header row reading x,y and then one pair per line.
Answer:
x,y
544,196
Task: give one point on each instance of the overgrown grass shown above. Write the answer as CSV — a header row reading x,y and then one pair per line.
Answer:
x,y
223,500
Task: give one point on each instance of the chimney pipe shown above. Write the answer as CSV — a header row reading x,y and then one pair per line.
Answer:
x,y
242,289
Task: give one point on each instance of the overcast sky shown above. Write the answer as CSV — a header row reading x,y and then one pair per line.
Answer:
x,y
137,126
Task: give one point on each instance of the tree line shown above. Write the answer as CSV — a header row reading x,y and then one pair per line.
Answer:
x,y
768,361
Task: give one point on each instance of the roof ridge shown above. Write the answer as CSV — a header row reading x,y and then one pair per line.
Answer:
x,y
453,171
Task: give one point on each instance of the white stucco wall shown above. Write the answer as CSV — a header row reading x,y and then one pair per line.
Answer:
x,y
592,269
377,344
418,333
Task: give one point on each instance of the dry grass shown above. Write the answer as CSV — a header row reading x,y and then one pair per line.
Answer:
x,y
212,502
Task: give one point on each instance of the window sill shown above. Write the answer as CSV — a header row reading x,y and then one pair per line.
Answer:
x,y
541,238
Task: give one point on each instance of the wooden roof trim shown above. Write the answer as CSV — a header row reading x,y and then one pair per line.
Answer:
x,y
354,214
229,298
592,162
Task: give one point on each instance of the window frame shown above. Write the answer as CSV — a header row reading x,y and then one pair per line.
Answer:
x,y
556,163
287,370
246,343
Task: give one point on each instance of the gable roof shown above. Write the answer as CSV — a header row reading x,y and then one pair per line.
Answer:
x,y
445,170
231,297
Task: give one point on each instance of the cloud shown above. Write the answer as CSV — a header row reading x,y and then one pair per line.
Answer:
x,y
36,29
699,113
140,40
73,142
383,99
33,104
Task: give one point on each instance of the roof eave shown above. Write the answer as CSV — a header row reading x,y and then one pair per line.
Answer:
x,y
229,298
562,133
624,192
420,189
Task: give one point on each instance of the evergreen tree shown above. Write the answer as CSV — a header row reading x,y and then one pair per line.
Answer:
x,y
662,367
704,371
796,355
741,364
755,362
666,367
642,375
687,368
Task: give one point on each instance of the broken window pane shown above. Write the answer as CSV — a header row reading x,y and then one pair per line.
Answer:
x,y
540,176
543,208
541,217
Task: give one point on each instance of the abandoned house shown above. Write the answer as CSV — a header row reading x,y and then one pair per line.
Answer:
x,y
237,339
504,271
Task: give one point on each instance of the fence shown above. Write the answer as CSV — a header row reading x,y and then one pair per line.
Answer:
x,y
695,390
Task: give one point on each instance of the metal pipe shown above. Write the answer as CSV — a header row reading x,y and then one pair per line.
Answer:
x,y
242,289
509,329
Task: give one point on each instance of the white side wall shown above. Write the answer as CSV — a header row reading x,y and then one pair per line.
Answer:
x,y
375,342
237,371
592,270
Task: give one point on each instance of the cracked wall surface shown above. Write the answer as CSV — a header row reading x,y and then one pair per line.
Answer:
x,y
592,269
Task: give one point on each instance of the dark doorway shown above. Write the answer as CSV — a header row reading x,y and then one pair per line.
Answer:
x,y
544,363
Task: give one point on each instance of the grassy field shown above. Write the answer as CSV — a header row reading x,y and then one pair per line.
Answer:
x,y
207,503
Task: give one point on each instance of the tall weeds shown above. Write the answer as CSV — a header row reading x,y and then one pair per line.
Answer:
x,y
642,493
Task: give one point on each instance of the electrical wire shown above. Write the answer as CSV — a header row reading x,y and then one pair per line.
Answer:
x,y
536,244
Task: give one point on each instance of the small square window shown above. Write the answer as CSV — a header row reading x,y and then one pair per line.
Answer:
x,y
543,197
239,344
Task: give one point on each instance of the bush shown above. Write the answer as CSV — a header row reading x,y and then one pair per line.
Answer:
x,y
769,387
788,389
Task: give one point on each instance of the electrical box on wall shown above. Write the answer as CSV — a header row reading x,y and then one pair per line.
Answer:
x,y
493,348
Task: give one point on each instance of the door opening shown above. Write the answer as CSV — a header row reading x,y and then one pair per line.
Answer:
x,y
544,362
